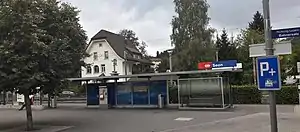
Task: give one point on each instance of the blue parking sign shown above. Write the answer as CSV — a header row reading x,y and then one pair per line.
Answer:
x,y
268,73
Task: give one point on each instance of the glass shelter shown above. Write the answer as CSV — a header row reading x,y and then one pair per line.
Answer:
x,y
211,92
170,89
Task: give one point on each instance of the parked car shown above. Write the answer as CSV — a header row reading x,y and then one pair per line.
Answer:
x,y
68,93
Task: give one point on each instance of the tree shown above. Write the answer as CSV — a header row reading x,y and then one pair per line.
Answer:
x,y
157,53
164,65
131,36
191,35
227,50
41,43
254,34
257,23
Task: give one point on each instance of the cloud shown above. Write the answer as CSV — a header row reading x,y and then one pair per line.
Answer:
x,y
232,14
150,19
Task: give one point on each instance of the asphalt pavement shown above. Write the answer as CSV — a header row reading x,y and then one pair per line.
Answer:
x,y
244,118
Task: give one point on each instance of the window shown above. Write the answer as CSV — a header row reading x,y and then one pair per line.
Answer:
x,y
100,44
103,68
139,57
88,70
95,56
105,54
96,69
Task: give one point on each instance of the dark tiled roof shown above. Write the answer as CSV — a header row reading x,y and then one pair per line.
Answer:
x,y
119,45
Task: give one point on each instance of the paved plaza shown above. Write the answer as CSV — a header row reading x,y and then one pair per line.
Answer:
x,y
77,118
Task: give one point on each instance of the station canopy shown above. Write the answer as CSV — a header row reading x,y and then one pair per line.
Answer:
x,y
149,75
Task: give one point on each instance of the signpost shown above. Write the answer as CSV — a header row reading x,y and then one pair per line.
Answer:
x,y
269,52
285,33
268,73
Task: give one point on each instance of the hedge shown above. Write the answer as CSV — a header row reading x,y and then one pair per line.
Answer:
x,y
249,94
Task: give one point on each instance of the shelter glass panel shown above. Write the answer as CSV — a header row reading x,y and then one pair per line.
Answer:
x,y
124,94
140,93
156,88
201,92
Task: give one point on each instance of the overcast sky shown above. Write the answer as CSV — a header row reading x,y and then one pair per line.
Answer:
x,y
150,19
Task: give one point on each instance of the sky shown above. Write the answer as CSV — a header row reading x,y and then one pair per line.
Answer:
x,y
151,19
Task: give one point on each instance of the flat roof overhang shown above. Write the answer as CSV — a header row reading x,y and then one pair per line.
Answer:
x,y
148,75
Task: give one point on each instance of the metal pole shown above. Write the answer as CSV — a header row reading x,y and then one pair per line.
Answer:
x,y
217,55
170,60
269,52
170,63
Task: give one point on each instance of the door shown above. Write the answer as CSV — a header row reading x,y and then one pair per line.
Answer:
x,y
92,94
103,94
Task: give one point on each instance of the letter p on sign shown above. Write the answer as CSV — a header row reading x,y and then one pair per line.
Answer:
x,y
264,66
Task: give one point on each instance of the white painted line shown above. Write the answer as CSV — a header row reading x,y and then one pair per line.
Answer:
x,y
212,123
183,119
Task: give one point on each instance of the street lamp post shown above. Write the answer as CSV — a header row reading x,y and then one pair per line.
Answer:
x,y
217,54
170,65
170,60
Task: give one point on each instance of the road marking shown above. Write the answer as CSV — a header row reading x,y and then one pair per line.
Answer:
x,y
211,123
183,119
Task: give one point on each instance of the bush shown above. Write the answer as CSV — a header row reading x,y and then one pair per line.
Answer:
x,y
249,94
246,95
287,95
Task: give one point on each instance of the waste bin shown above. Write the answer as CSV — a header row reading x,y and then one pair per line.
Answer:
x,y
53,102
160,101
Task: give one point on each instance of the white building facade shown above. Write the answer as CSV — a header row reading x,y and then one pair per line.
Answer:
x,y
110,53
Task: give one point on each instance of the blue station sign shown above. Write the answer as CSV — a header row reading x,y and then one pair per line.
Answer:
x,y
286,33
226,63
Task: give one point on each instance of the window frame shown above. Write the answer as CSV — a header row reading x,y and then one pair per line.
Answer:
x,y
95,56
106,55
103,69
96,69
88,70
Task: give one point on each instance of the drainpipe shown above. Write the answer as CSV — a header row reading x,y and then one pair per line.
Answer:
x,y
125,64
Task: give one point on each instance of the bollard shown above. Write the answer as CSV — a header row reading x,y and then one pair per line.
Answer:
x,y
160,101
53,102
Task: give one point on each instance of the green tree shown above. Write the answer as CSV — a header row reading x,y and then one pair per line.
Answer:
x,y
41,43
227,50
164,65
191,35
254,34
290,61
131,36
257,23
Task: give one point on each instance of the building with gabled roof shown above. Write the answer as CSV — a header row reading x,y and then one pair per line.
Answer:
x,y
110,53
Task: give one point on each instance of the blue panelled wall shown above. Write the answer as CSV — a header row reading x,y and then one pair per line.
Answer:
x,y
92,92
129,93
